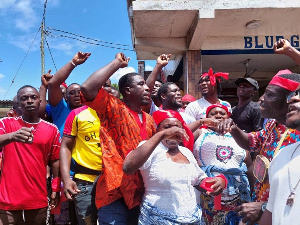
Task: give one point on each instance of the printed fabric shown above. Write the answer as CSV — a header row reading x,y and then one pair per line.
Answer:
x,y
219,154
120,133
265,142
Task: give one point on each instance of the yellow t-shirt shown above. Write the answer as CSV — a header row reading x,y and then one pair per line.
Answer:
x,y
84,125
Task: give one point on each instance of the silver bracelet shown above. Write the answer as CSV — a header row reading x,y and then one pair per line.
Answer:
x,y
73,63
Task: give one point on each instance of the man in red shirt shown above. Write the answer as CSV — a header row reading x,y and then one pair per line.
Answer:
x,y
29,145
123,126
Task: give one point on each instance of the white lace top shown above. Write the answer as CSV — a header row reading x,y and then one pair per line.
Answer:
x,y
168,184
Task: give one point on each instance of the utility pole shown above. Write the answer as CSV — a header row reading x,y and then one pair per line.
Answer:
x,y
42,48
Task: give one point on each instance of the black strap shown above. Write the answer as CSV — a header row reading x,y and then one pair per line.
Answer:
x,y
84,170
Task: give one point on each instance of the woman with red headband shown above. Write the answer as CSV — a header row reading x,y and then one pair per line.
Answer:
x,y
219,154
170,173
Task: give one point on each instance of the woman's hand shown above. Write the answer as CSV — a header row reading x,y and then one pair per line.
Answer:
x,y
176,134
218,185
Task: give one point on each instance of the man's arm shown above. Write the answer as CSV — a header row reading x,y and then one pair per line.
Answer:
x,y
55,195
94,83
43,91
266,218
284,47
161,62
55,95
65,154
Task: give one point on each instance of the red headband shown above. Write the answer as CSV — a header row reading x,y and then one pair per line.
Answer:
x,y
217,105
161,115
284,82
214,76
189,98
64,84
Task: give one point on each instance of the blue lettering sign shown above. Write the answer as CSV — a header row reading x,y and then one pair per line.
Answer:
x,y
248,42
295,41
256,43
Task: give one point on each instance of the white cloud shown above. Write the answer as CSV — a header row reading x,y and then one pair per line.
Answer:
x,y
149,68
1,76
2,90
120,72
24,41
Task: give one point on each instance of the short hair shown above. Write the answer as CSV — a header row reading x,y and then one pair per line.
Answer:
x,y
126,81
72,84
25,86
163,90
159,81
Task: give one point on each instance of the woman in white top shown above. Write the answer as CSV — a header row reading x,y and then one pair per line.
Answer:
x,y
219,154
170,173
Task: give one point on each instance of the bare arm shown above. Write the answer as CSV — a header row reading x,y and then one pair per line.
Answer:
x,y
139,156
266,218
161,62
249,164
43,91
93,84
54,199
70,187
284,47
210,122
55,95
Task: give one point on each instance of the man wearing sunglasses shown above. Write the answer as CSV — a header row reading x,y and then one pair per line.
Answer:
x,y
284,174
273,105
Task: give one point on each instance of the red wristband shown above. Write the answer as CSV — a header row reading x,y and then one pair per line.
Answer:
x,y
56,184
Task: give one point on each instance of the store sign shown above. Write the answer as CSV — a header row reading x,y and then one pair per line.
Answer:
x,y
259,42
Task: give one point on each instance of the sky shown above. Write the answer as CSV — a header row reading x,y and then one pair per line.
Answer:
x,y
20,54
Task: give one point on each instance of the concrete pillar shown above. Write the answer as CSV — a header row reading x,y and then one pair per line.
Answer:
x,y
191,72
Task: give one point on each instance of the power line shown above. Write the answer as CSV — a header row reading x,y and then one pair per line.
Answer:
x,y
74,38
50,53
13,80
105,42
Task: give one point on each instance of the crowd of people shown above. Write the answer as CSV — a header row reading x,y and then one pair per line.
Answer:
x,y
144,154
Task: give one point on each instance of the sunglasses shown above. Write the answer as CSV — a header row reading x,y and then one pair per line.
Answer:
x,y
292,94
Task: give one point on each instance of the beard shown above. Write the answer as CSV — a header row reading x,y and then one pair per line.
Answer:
x,y
293,124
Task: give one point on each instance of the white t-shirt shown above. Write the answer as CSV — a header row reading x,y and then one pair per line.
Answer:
x,y
280,186
197,109
168,184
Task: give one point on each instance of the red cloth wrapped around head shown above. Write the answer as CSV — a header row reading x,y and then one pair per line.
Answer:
x,y
161,115
189,98
217,105
283,82
214,76
64,84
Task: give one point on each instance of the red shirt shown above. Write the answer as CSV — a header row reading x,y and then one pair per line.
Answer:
x,y
23,178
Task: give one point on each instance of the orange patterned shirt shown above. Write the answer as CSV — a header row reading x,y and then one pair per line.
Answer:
x,y
119,134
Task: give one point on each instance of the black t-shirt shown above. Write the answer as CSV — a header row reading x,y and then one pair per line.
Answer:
x,y
248,118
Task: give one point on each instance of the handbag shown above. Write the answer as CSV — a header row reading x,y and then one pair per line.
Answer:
x,y
262,163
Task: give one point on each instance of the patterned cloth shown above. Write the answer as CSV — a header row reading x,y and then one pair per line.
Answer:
x,y
219,154
151,215
265,142
119,134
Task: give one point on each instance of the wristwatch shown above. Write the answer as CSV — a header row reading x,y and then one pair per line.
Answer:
x,y
264,206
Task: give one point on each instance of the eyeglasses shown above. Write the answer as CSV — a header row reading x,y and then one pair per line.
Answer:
x,y
292,94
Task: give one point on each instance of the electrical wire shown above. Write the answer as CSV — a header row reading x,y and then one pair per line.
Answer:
x,y
105,42
50,53
13,80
